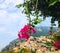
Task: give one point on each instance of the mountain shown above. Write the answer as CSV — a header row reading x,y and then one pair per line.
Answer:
x,y
40,31
43,30
11,45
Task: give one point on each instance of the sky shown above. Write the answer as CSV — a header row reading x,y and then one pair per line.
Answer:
x,y
12,20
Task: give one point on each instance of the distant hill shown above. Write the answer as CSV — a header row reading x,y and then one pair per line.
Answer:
x,y
40,31
11,45
43,30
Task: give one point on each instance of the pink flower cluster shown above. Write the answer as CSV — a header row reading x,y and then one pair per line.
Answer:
x,y
26,31
57,44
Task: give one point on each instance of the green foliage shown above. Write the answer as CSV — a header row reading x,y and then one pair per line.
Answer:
x,y
8,52
36,21
52,2
28,8
45,8
57,38
19,5
22,50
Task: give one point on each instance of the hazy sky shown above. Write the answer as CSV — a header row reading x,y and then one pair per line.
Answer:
x,y
11,20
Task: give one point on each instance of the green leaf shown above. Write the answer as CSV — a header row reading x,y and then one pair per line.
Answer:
x,y
58,0
22,50
19,5
52,2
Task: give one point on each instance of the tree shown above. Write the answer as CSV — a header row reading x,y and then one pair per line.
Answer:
x,y
45,8
42,7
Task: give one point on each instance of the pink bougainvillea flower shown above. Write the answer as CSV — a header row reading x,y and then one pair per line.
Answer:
x,y
33,30
26,31
19,36
25,36
57,44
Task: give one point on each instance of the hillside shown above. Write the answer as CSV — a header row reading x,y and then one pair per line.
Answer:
x,y
16,42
